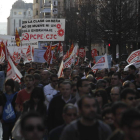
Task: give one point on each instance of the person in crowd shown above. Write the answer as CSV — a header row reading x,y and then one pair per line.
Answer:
x,y
17,86
101,97
103,74
27,66
98,75
108,116
75,79
132,72
130,126
107,79
74,89
87,70
69,115
129,84
129,97
24,94
45,77
54,71
137,82
37,80
66,72
56,106
115,94
101,84
113,69
124,74
84,88
31,71
87,126
74,73
20,68
50,89
32,126
9,112
90,78
77,67
34,66
36,102
115,81
118,109
122,65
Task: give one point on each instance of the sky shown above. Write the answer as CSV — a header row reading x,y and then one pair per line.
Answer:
x,y
6,6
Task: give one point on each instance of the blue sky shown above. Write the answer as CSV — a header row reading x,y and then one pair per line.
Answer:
x,y
5,7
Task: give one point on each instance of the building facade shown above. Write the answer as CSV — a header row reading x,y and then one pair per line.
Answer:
x,y
20,10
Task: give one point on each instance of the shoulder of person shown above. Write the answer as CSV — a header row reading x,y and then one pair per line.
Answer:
x,y
116,135
72,126
104,126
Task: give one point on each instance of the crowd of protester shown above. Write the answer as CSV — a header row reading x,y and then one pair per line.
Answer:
x,y
80,105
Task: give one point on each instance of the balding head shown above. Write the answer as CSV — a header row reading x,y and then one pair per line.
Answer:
x,y
115,94
45,74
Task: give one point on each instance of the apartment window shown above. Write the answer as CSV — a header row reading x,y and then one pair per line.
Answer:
x,y
36,12
14,25
15,13
20,13
20,23
36,1
24,13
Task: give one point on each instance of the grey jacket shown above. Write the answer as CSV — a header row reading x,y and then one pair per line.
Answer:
x,y
71,131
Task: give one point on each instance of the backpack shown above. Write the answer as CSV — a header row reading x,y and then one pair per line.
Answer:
x,y
9,114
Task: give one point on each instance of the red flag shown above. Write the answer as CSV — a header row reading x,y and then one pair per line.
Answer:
x,y
17,38
48,54
71,49
32,51
58,48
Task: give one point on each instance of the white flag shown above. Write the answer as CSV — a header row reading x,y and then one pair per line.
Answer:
x,y
61,51
71,60
12,71
60,72
101,63
29,53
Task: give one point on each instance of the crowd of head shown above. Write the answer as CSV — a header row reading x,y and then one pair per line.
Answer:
x,y
80,105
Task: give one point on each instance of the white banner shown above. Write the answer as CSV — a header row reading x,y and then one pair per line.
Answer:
x,y
43,30
12,71
133,57
101,63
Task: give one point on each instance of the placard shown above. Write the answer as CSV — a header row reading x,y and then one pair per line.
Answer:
x,y
43,30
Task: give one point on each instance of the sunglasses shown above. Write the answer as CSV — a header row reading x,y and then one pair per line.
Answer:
x,y
131,98
31,128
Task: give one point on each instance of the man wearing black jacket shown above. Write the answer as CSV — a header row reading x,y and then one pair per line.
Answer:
x,y
57,104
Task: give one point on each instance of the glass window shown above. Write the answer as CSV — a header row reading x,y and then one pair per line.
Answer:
x,y
15,13
20,13
36,1
36,12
